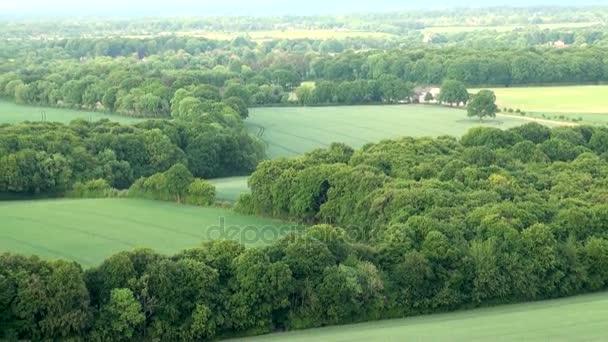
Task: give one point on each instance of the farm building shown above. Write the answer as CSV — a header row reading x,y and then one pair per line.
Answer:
x,y
421,95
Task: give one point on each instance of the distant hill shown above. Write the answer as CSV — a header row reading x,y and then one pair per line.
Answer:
x,y
245,7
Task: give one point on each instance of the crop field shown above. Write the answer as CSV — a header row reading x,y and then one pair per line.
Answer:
x,y
230,188
588,102
506,28
13,113
296,130
88,231
581,318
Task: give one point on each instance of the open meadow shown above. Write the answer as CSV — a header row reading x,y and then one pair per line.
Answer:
x,y
581,318
294,131
14,113
507,28
88,231
586,102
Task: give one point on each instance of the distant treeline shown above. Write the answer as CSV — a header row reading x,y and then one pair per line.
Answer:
x,y
394,22
243,74
429,225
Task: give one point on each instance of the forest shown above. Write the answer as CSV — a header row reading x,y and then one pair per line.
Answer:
x,y
396,228
417,226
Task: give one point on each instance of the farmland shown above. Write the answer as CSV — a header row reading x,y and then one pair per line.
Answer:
x,y
13,113
293,131
88,231
297,130
587,102
282,34
571,319
506,28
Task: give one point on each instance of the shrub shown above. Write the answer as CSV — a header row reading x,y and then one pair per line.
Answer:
x,y
200,192
244,205
97,188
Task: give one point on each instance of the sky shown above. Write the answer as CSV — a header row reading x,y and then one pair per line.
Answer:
x,y
10,8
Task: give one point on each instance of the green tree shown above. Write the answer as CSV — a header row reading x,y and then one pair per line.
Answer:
x,y
483,105
178,179
453,92
120,318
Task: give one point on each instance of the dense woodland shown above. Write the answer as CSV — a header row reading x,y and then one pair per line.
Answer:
x,y
85,74
428,225
49,158
397,228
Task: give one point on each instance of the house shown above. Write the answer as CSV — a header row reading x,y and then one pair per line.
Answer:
x,y
421,93
559,44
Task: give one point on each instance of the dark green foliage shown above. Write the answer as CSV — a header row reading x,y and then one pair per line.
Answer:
x,y
53,158
483,104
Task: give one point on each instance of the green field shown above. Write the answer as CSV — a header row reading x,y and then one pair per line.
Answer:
x,y
293,131
507,28
88,231
582,318
587,102
13,113
230,188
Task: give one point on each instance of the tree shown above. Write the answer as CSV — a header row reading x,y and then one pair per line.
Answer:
x,y
120,317
178,179
483,104
453,92
305,94
239,105
201,192
429,97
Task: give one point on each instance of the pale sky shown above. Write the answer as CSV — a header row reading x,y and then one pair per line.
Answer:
x,y
240,7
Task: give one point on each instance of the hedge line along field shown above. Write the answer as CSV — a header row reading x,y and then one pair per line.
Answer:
x,y
12,113
292,131
88,231
581,318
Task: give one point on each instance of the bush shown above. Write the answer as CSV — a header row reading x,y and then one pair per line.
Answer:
x,y
97,188
200,192
244,205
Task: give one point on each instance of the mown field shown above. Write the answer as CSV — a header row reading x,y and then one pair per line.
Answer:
x,y
572,102
581,318
90,230
13,113
296,130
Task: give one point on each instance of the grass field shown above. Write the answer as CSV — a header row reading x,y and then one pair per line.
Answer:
x,y
88,231
572,102
582,318
296,130
13,113
230,188
506,28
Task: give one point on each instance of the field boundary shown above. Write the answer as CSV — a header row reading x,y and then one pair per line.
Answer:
x,y
542,121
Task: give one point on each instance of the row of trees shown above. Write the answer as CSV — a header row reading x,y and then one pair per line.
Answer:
x,y
395,22
244,75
